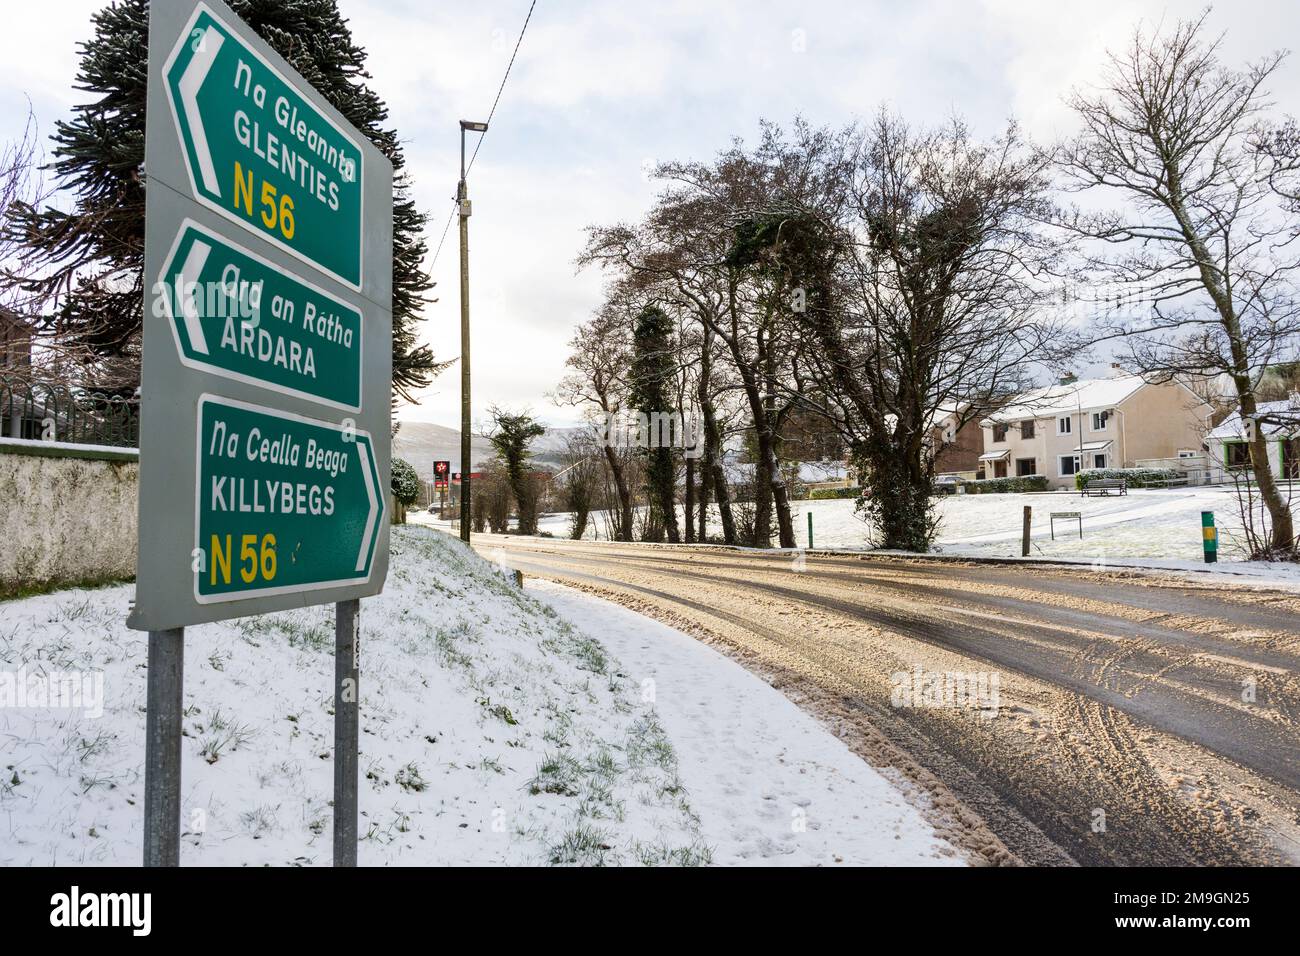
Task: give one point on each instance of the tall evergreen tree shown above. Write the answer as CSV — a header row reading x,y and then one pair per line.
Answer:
x,y
653,365
91,259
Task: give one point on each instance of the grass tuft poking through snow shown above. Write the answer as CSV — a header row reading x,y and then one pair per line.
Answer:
x,y
493,731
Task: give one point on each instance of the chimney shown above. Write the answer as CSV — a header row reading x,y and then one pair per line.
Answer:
x,y
1117,370
1068,378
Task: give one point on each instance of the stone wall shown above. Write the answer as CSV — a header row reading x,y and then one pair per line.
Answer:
x,y
67,515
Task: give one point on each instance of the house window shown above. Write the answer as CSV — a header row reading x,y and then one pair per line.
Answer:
x,y
1236,454
1188,453
1069,465
1100,420
1027,429
1064,426
999,433
1025,466
1099,461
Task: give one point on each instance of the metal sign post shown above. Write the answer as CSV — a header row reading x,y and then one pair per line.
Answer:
x,y
266,373
441,479
162,748
1066,515
347,640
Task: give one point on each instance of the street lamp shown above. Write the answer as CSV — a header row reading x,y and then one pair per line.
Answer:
x,y
463,207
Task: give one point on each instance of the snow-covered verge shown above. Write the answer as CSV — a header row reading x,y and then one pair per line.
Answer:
x,y
767,781
494,731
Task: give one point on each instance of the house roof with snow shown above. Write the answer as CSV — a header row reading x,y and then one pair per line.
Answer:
x,y
810,472
1231,429
1084,395
813,472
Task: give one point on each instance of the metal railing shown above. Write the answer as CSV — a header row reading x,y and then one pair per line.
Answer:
x,y
48,411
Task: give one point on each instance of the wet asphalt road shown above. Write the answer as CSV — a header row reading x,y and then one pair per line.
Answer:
x,y
1139,721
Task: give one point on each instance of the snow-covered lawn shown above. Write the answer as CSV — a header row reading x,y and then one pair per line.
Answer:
x,y
1148,528
1163,523
495,730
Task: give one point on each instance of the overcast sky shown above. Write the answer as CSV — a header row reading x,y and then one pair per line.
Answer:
x,y
602,89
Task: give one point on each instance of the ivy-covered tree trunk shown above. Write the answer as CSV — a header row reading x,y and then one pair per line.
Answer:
x,y
897,492
653,364
91,259
711,473
511,434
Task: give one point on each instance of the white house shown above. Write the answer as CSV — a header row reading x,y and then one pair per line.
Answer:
x,y
1076,425
1280,423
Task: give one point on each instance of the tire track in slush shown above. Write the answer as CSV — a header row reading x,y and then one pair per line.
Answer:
x,y
1058,802
904,746
1268,748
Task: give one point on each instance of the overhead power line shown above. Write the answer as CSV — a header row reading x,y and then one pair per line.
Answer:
x,y
491,113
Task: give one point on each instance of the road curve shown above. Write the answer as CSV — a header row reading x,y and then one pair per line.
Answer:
x,y
1137,721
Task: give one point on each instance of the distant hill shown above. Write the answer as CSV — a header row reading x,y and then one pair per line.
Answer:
x,y
423,443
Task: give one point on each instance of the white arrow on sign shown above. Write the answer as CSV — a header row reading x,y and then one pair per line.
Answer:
x,y
206,48
374,506
187,289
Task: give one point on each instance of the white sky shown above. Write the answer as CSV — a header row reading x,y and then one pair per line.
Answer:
x,y
601,89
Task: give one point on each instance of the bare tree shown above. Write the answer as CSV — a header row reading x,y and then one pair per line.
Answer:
x,y
600,357
1174,134
21,183
702,244
926,285
1282,147
579,480
491,500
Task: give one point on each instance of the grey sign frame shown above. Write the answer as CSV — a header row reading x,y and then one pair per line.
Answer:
x,y
170,391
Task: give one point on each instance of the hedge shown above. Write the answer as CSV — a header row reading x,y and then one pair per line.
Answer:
x,y
1003,486
1134,477
823,493
405,482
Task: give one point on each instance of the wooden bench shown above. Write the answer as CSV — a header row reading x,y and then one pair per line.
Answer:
x,y
1104,486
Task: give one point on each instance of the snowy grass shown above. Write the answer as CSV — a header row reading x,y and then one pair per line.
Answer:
x,y
493,731
768,783
1158,528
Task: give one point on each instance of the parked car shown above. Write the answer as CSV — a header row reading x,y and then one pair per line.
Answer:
x,y
946,484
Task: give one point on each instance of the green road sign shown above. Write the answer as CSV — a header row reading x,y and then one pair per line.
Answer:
x,y
266,369
261,153
284,504
238,315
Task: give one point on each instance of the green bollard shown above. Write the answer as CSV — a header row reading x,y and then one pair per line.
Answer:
x,y
1210,537
810,531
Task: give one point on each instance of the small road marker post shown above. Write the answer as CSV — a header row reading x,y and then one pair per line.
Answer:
x,y
1209,537
810,537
